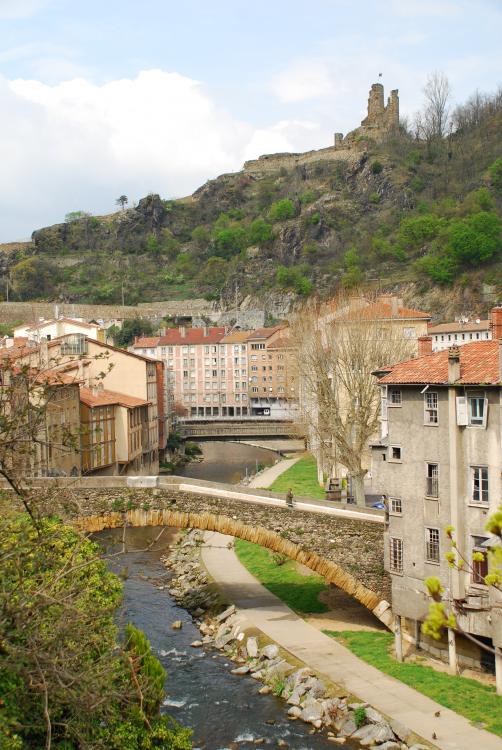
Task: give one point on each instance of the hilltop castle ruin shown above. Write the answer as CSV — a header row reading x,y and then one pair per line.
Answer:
x,y
381,120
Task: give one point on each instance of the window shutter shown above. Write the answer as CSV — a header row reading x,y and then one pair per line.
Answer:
x,y
462,417
383,397
485,412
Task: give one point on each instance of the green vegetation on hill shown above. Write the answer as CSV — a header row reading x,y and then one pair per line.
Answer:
x,y
281,577
477,702
406,211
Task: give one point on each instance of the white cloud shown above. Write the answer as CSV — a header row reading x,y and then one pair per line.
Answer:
x,y
10,9
77,145
303,79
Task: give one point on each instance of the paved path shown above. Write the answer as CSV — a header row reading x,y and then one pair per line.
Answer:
x,y
268,476
266,612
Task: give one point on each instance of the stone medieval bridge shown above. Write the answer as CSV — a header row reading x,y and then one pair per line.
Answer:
x,y
345,545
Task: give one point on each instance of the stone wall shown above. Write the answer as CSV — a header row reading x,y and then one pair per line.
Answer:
x,y
28,312
271,163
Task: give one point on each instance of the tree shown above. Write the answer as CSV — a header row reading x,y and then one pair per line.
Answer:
x,y
437,91
281,210
122,201
33,277
68,679
130,329
338,346
443,609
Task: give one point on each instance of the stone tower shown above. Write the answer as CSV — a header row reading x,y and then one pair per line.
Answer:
x,y
380,120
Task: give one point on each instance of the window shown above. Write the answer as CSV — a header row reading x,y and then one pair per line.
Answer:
x,y
432,545
479,566
431,407
395,453
432,480
396,555
395,506
394,397
254,389
479,484
477,411
409,333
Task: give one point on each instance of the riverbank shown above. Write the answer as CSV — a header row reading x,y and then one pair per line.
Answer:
x,y
449,730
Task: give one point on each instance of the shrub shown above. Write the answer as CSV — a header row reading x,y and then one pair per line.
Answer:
x,y
474,239
260,232
308,197
229,241
281,210
313,218
440,268
417,230
495,172
360,716
376,167
374,198
201,237
293,278
417,184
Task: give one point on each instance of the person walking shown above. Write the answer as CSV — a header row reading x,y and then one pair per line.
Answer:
x,y
289,498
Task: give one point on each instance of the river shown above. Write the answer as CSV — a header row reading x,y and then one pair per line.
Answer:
x,y
221,708
223,461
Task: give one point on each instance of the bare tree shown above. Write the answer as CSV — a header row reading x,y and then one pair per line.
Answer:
x,y
436,115
339,345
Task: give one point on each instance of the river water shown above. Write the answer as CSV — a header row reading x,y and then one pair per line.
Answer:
x,y
221,708
228,462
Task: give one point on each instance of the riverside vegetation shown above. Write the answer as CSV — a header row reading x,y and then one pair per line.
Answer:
x,y
421,213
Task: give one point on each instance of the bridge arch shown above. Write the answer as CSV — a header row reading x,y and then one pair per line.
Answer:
x,y
331,571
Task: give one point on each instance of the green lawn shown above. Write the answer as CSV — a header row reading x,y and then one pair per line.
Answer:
x,y
471,699
302,478
300,592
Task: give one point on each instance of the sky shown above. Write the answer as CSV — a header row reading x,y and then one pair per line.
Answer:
x,y
100,99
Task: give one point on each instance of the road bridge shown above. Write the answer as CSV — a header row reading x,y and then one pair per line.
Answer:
x,y
232,428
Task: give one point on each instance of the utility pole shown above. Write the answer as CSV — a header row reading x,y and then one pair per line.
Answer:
x,y
7,289
123,305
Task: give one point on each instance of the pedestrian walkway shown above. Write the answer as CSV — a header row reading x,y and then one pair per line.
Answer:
x,y
267,477
323,654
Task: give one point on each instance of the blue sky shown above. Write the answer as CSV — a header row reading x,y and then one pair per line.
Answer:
x,y
104,98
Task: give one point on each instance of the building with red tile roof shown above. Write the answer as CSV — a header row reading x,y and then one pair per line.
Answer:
x,y
438,462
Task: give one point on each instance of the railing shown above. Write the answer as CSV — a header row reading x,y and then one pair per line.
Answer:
x,y
238,429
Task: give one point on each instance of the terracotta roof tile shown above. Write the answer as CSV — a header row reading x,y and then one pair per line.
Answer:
x,y
236,337
265,333
479,364
383,311
483,325
173,337
103,397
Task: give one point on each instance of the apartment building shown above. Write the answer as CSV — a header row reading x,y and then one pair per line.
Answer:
x,y
459,332
273,383
216,374
438,462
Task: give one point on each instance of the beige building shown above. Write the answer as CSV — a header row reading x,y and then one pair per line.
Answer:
x,y
460,332
273,386
439,462
52,329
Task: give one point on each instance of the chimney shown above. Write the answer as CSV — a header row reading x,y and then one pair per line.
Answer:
x,y
496,322
183,331
453,364
424,345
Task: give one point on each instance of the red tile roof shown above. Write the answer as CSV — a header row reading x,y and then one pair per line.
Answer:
x,y
265,333
479,364
173,337
101,397
456,327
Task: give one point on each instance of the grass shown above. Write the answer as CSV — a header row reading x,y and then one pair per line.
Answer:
x,y
477,702
300,592
302,478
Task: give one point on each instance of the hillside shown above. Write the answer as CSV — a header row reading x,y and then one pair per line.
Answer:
x,y
422,216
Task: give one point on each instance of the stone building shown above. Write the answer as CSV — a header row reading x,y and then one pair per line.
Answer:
x,y
438,462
